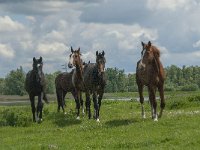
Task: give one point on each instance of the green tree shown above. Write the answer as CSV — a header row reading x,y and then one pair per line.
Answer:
x,y
14,82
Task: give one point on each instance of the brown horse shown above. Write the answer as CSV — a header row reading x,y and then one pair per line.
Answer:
x,y
150,72
77,77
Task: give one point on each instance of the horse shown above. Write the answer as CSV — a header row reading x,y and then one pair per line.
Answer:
x,y
77,77
94,82
150,72
63,84
35,85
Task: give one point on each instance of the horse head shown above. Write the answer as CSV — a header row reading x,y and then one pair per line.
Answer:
x,y
74,58
37,68
150,56
100,61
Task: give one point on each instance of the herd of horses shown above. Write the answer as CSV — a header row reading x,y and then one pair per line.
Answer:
x,y
89,78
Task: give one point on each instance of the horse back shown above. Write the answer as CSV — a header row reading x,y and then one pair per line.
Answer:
x,y
64,81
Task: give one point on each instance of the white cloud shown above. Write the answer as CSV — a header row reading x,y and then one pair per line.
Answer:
x,y
169,4
197,44
6,52
52,49
7,24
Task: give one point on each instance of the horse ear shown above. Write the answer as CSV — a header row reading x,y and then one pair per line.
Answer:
x,y
79,50
149,43
103,53
97,53
142,44
40,59
72,49
34,59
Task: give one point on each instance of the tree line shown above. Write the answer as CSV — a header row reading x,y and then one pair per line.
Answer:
x,y
177,79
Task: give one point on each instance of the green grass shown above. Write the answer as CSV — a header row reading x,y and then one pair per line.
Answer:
x,y
120,127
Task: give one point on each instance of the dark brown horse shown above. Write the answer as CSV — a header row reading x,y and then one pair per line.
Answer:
x,y
35,86
94,82
63,84
77,77
150,72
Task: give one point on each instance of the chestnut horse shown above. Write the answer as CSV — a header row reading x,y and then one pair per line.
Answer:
x,y
77,77
150,72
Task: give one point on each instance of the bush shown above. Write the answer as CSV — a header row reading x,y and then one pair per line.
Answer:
x,y
169,88
194,98
15,117
190,87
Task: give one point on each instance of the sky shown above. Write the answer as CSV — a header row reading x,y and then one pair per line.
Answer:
x,y
48,28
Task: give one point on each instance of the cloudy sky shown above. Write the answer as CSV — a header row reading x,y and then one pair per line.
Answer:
x,y
48,28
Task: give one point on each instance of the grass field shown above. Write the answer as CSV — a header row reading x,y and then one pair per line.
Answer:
x,y
120,127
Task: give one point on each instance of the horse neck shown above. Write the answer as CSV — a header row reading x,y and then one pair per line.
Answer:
x,y
79,70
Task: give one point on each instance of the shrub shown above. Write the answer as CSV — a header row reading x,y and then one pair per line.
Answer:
x,y
15,117
190,87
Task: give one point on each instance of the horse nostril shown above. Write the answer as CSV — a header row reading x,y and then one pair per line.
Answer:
x,y
70,65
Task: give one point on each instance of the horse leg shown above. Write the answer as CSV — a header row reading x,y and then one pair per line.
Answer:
x,y
96,106
152,98
78,103
140,89
81,100
58,99
32,99
99,100
162,103
63,101
40,107
88,103
45,98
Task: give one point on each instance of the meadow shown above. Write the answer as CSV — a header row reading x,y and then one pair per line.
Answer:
x,y
120,126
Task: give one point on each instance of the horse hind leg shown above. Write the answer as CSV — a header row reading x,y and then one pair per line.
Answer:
x,y
63,101
140,89
162,103
153,102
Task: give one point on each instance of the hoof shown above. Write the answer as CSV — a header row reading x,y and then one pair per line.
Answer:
x,y
65,113
98,120
39,120
144,116
78,118
155,119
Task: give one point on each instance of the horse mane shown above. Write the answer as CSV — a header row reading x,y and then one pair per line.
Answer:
x,y
158,64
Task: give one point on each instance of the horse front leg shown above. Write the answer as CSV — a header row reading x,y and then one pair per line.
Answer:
x,y
96,106
140,89
58,99
82,106
99,100
162,103
40,107
77,99
88,103
152,98
32,99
